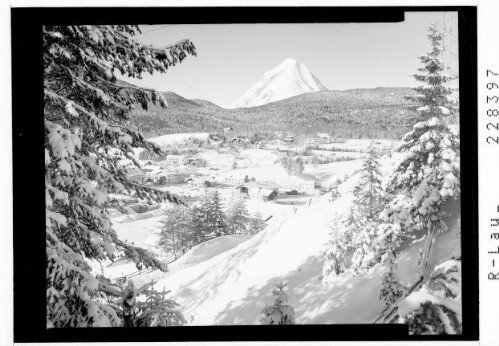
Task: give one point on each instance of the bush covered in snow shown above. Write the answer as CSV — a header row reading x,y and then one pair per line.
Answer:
x,y
436,307
281,312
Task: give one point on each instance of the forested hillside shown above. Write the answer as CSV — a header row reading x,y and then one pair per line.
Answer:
x,y
358,113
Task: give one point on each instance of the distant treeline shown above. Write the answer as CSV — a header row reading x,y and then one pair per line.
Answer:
x,y
366,113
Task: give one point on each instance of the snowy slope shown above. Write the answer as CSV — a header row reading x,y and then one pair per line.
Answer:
x,y
207,250
171,139
290,78
197,254
177,138
234,286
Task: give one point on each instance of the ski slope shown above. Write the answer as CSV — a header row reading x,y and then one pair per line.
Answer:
x,y
233,287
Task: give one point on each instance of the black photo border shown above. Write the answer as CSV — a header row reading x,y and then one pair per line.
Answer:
x,y
28,156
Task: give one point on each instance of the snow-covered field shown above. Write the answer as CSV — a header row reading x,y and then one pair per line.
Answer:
x,y
177,138
233,287
229,280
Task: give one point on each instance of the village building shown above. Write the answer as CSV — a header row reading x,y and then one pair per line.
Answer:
x,y
266,195
289,191
176,160
199,182
259,191
165,164
194,161
322,138
236,179
169,178
307,186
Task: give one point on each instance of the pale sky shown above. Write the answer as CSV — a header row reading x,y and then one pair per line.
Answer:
x,y
232,57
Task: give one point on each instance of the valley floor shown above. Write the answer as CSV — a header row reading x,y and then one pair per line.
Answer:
x,y
229,280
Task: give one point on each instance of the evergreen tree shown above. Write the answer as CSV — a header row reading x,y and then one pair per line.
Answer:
x,y
335,262
428,173
365,245
442,313
281,312
257,224
87,133
391,288
216,216
297,166
286,163
292,166
198,224
176,231
334,194
237,215
154,310
368,192
364,220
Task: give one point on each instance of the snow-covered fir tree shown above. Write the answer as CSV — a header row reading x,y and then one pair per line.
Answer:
x,y
292,165
177,229
198,222
336,255
237,215
428,172
154,310
281,312
364,219
357,233
298,166
364,242
334,194
368,191
439,310
257,223
216,215
86,114
203,211
391,288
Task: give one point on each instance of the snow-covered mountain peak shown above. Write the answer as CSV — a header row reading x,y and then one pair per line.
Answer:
x,y
289,78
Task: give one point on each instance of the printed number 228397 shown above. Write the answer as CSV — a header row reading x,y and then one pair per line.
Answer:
x,y
494,112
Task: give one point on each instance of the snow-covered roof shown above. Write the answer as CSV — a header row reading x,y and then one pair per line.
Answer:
x,y
175,157
236,176
253,185
266,192
198,179
322,135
